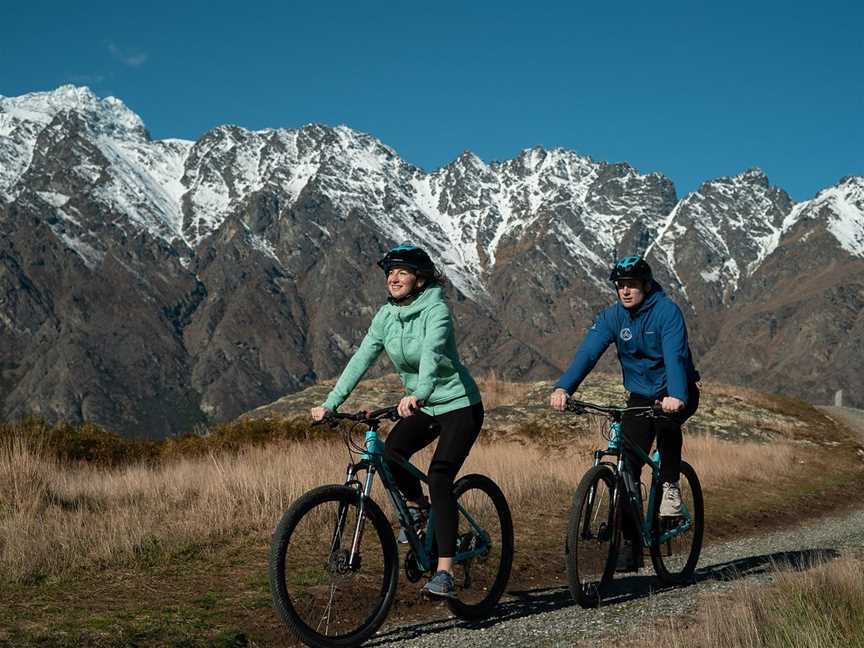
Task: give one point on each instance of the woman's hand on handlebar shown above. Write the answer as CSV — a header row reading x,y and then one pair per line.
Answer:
x,y
558,400
319,413
407,406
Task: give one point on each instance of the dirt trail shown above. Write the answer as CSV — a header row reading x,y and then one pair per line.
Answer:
x,y
849,416
547,617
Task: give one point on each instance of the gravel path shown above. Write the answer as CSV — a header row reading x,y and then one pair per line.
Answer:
x,y
547,617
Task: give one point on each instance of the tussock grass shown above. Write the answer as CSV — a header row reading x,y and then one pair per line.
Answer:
x,y
497,392
58,516
724,463
822,607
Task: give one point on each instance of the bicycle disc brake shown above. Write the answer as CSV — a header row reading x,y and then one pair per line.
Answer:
x,y
339,562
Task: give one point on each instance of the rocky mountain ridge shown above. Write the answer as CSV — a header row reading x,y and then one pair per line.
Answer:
x,y
147,285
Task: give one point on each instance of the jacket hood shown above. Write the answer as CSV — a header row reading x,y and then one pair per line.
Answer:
x,y
432,295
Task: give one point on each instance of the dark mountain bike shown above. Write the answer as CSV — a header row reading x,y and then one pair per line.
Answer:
x,y
334,564
606,494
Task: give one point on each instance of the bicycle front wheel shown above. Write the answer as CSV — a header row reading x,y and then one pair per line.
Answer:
x,y
486,534
590,548
326,597
675,559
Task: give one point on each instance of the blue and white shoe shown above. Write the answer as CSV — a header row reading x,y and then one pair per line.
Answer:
x,y
441,585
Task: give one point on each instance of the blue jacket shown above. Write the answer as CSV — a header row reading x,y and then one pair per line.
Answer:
x,y
652,348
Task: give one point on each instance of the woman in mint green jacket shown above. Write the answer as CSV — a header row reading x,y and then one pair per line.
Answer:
x,y
442,402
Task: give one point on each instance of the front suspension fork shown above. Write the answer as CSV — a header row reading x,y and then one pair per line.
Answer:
x,y
361,516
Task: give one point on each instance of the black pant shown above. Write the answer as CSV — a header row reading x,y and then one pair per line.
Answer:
x,y
667,430
456,432
643,430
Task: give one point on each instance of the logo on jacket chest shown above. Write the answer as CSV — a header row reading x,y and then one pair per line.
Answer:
x,y
626,334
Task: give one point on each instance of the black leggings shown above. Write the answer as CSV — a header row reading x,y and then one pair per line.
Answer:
x,y
456,432
643,430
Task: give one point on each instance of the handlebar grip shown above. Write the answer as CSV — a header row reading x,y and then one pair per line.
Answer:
x,y
385,412
574,406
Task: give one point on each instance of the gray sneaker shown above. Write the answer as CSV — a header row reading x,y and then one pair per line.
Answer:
x,y
419,516
441,585
670,505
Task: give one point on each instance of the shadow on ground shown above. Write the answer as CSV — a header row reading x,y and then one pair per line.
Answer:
x,y
527,603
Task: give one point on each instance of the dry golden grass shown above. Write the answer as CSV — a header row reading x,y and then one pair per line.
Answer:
x,y
720,463
822,607
59,517
497,392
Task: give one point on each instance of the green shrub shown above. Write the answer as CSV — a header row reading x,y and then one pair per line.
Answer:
x,y
88,443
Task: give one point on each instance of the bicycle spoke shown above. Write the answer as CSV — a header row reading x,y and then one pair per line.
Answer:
x,y
325,596
484,547
675,559
589,535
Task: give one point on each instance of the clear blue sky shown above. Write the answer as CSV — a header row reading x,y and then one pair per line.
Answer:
x,y
693,90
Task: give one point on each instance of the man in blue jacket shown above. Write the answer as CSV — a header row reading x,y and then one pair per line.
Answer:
x,y
651,338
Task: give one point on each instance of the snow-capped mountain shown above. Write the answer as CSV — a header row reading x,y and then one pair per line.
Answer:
x,y
211,276
183,191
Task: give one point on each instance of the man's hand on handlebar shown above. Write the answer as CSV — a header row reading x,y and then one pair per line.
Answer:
x,y
558,400
670,404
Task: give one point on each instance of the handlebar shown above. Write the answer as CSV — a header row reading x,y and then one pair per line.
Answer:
x,y
581,407
333,418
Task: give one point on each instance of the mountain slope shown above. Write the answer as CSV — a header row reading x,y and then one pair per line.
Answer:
x,y
147,285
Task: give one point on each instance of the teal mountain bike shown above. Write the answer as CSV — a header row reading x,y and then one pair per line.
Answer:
x,y
606,494
334,563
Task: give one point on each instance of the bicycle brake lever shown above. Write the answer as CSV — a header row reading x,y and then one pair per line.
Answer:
x,y
327,419
576,409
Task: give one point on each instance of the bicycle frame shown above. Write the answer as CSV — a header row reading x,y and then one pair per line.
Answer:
x,y
372,461
633,491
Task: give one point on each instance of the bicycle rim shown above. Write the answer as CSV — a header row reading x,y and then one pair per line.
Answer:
x,y
590,544
482,578
675,560
324,598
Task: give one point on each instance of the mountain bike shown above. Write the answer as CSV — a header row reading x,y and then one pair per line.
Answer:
x,y
334,562
608,492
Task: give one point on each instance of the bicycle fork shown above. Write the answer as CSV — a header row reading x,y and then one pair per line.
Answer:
x,y
357,537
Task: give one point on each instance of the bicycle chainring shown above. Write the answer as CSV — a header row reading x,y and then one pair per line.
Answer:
x,y
412,569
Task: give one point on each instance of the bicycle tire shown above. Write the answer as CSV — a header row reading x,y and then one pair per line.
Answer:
x,y
296,554
679,565
591,545
488,574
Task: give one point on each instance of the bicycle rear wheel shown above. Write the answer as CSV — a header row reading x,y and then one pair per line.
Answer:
x,y
590,549
481,579
322,598
675,560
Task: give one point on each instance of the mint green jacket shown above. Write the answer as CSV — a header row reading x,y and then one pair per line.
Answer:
x,y
420,342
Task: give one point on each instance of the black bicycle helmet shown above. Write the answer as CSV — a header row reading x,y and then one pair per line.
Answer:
x,y
410,257
631,267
